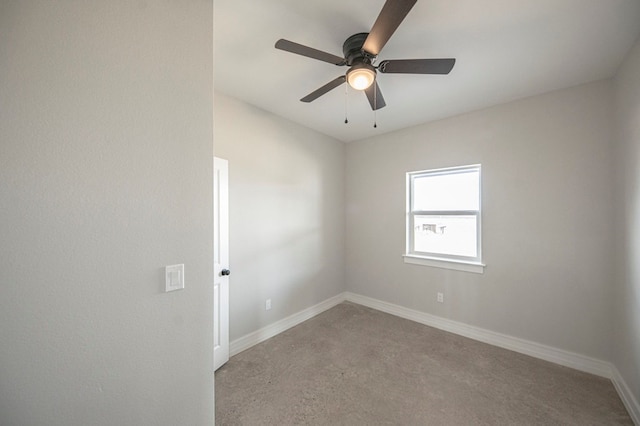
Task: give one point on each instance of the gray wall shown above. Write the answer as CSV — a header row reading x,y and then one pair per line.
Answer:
x,y
547,218
626,308
286,189
105,178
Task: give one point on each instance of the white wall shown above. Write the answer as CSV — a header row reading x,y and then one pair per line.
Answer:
x,y
286,186
547,218
105,178
626,308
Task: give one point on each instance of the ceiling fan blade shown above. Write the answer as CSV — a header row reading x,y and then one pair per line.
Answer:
x,y
375,96
417,66
309,52
392,14
324,89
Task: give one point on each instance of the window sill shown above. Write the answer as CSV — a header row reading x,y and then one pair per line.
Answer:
x,y
456,265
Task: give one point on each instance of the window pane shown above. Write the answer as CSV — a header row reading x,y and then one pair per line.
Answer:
x,y
440,192
452,235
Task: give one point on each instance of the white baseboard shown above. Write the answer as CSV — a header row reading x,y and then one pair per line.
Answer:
x,y
536,350
628,399
251,339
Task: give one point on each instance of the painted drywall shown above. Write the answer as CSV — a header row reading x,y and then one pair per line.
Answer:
x,y
626,307
286,197
105,178
547,218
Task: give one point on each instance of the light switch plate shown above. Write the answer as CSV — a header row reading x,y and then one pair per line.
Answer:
x,y
174,277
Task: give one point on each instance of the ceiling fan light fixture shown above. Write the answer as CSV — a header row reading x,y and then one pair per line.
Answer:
x,y
361,76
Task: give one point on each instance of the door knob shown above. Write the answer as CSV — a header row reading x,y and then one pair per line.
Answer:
x,y
225,272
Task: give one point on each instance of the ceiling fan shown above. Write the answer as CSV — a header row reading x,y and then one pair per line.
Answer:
x,y
360,53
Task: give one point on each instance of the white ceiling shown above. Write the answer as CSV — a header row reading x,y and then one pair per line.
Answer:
x,y
505,50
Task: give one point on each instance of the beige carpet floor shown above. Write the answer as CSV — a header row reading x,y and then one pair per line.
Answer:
x,y
352,365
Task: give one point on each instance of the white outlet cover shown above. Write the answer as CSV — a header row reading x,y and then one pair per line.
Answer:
x,y
174,277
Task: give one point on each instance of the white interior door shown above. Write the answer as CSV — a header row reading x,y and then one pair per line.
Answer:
x,y
220,262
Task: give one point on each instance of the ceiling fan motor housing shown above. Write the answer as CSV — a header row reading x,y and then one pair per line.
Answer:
x,y
352,49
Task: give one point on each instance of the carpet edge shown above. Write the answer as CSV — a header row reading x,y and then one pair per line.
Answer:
x,y
526,347
248,340
627,397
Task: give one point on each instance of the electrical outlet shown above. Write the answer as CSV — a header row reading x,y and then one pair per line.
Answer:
x,y
267,304
441,297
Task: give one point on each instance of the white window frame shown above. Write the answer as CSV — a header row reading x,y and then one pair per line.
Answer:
x,y
440,260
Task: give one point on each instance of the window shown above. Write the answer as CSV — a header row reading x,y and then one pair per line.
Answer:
x,y
443,218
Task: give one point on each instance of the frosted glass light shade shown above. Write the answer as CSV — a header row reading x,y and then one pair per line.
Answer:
x,y
361,78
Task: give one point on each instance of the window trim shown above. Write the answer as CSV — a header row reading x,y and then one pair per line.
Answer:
x,y
456,262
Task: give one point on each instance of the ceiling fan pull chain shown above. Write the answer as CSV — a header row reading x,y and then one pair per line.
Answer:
x,y
346,92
